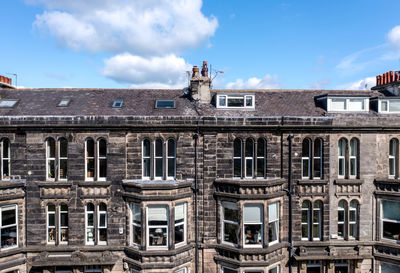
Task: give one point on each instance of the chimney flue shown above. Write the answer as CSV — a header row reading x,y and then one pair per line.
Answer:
x,y
5,81
204,69
200,85
195,73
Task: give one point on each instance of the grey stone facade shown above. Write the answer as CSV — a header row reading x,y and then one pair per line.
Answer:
x,y
292,113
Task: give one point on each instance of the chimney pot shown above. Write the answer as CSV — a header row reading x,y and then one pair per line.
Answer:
x,y
204,69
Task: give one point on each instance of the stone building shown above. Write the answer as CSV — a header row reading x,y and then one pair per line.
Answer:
x,y
232,181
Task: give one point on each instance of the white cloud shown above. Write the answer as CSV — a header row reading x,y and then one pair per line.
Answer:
x,y
152,72
364,84
320,84
394,36
140,27
267,82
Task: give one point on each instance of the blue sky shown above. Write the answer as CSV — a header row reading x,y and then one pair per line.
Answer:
x,y
150,44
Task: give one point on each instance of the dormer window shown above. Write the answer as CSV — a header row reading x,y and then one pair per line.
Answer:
x,y
340,103
235,101
389,106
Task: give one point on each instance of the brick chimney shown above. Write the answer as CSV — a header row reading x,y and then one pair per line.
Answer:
x,y
389,81
5,82
200,84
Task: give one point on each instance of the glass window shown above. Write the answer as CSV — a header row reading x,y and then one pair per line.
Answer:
x,y
314,267
235,101
338,105
146,158
393,154
249,156
317,220
391,220
222,101
8,103
8,226
89,159
102,224
261,157
5,159
63,158
394,106
389,268
182,270
93,269
118,103
342,215
64,103
305,158
305,219
63,223
318,143
90,232
342,157
273,222
275,269
51,224
136,216
157,225
353,219
230,223
180,223
51,159
158,159
253,225
228,270
171,158
341,267
102,159
353,158
237,158
356,104
165,104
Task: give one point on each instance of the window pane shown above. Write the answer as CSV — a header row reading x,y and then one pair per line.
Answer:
x,y
317,147
249,148
393,145
306,148
157,215
353,230
249,167
392,166
356,104
179,213
231,212
252,234
179,234
253,213
103,234
274,270
340,215
159,147
273,211
52,168
64,235
305,167
394,106
338,104
235,102
103,167
90,219
353,166
63,147
6,145
260,167
137,235
237,165
222,100
341,166
391,210
6,169
102,220
90,207
171,147
261,147
52,220
63,168
273,231
171,167
353,147
340,230
90,235
342,147
90,168
146,167
389,268
231,232
136,214
146,147
384,106
64,219
90,148
158,236
317,167
8,217
391,230
316,231
159,167
249,101
51,148
8,237
237,147
102,148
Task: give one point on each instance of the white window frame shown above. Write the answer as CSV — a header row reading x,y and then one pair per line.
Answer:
x,y
308,159
238,158
249,158
347,104
100,227
48,213
253,223
342,264
180,224
387,220
229,268
315,158
181,270
353,158
89,158
277,226
223,204
319,223
99,158
90,227
355,222
158,157
61,158
236,96
315,263
93,269
278,266
51,159
60,227
157,226
392,158
3,159
342,157
263,158
388,102
168,157
307,223
132,205
149,157
344,219
5,208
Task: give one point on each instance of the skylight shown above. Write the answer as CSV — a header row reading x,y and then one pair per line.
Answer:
x,y
165,104
64,103
8,103
118,103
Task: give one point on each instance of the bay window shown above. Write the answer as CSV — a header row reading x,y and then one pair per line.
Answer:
x,y
157,225
136,228
230,223
253,225
180,223
8,226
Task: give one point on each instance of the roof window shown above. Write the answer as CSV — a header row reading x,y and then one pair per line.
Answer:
x,y
235,101
345,104
8,103
118,103
389,106
165,104
64,103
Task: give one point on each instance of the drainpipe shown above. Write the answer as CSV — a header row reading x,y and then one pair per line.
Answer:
x,y
290,192
196,225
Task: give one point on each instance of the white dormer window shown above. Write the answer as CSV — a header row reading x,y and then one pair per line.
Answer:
x,y
348,104
235,101
389,106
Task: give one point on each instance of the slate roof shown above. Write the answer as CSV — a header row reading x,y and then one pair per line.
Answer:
x,y
97,102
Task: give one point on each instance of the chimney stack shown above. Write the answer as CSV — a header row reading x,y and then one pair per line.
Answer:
x,y
200,85
5,82
389,81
